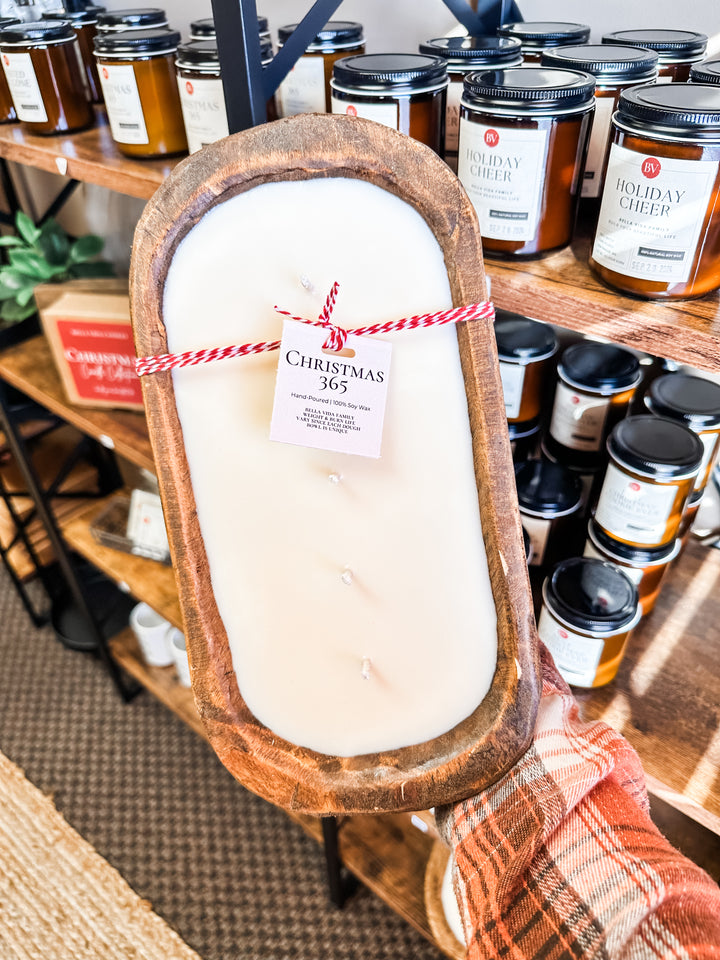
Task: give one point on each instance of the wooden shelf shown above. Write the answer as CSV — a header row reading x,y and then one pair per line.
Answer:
x,y
30,367
145,579
562,290
90,156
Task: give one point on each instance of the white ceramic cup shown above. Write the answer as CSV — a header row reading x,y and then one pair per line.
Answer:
x,y
176,641
151,631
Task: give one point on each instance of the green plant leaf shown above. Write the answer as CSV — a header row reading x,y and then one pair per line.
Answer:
x,y
85,248
14,279
9,293
53,244
24,297
26,228
98,268
32,265
11,242
12,312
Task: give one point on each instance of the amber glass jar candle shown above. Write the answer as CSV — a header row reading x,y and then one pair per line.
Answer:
x,y
201,92
550,500
306,89
538,35
706,72
42,66
694,401
615,68
85,24
405,91
650,476
525,350
463,55
596,383
525,439
523,133
590,478
133,18
137,72
646,566
7,108
678,50
589,609
658,231
204,29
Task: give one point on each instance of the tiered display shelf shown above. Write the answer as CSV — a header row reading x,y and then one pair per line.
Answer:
x,y
666,699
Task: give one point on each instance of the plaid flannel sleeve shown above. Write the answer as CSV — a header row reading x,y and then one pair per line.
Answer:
x,y
559,859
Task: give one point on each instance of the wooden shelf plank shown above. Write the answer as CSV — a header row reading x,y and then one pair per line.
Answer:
x,y
145,579
91,156
561,289
30,367
666,697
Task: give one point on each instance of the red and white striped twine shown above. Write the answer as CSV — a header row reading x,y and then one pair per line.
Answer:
x,y
336,340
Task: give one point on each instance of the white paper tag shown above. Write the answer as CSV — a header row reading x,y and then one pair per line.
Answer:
x,y
326,400
146,525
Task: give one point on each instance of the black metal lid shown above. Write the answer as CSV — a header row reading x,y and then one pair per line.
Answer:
x,y
547,489
519,338
636,555
380,70
669,44
133,42
599,366
679,110
706,72
36,31
88,14
532,88
545,33
693,401
133,18
204,29
603,61
656,446
6,21
593,595
334,33
204,53
475,51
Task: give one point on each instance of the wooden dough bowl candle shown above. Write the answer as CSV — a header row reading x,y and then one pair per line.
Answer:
x,y
360,629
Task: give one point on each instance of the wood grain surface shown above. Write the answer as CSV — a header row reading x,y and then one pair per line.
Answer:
x,y
487,743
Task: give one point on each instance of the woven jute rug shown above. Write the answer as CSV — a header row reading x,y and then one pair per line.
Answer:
x,y
59,898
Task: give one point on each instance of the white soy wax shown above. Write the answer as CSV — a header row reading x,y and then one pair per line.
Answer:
x,y
354,591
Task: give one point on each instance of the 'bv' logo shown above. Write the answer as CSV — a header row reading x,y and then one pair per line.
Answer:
x,y
650,168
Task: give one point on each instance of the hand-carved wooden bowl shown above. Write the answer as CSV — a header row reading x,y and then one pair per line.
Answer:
x,y
480,748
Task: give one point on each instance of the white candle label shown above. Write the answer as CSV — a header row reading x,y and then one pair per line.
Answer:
x,y
503,172
576,657
452,123
24,89
512,376
303,89
634,510
652,211
384,113
122,101
326,400
146,525
597,146
578,421
203,110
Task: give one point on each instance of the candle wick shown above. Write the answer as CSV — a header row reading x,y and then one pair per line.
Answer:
x,y
307,283
347,576
366,665
335,477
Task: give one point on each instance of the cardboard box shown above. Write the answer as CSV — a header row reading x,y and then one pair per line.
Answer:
x,y
91,339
